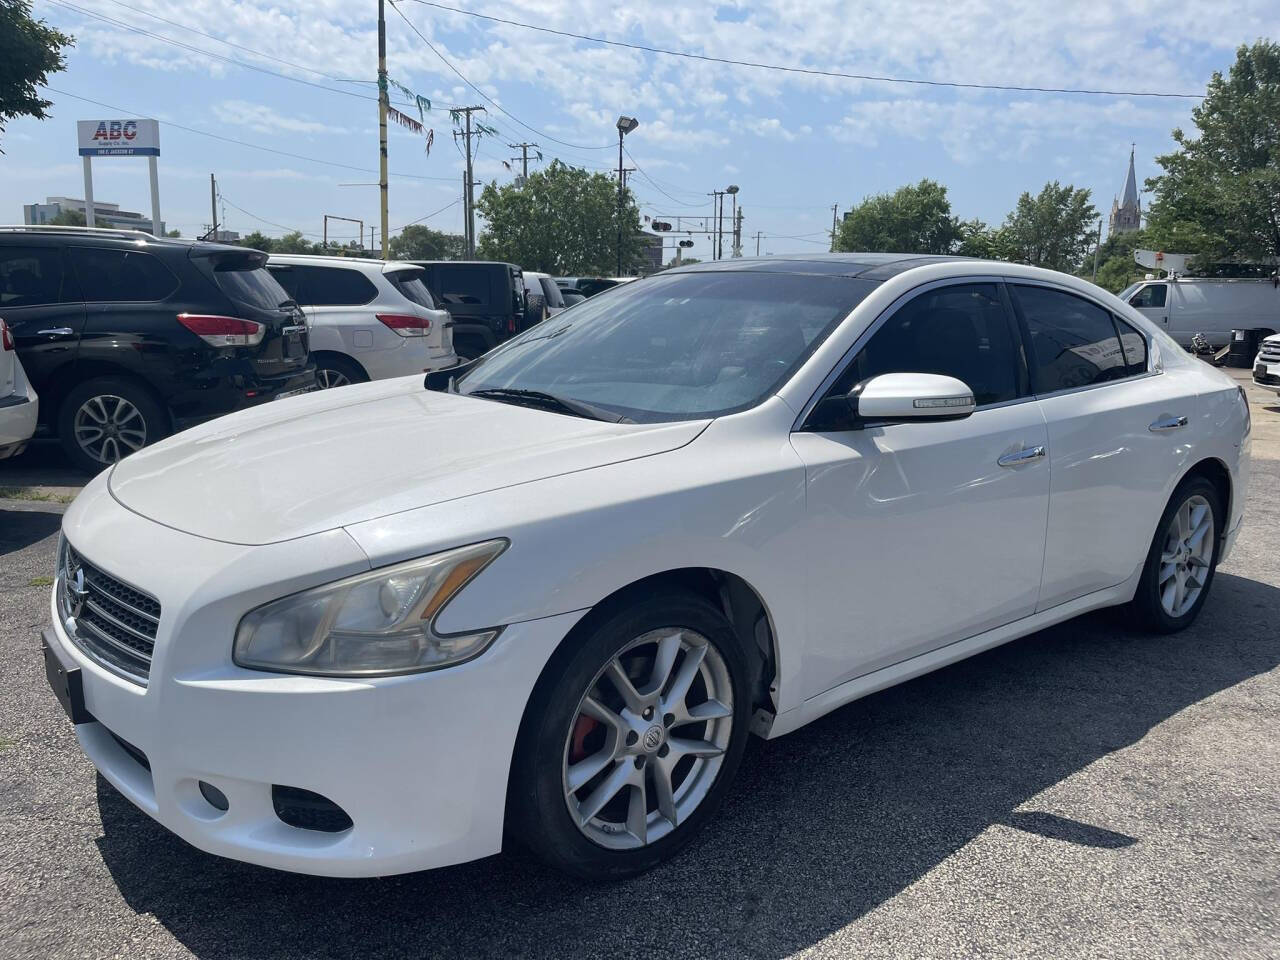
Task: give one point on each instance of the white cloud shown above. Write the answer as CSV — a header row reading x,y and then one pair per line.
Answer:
x,y
264,119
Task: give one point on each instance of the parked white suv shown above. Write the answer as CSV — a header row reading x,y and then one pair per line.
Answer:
x,y
384,629
1266,366
367,319
19,405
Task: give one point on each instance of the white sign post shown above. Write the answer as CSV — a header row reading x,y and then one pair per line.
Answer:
x,y
119,138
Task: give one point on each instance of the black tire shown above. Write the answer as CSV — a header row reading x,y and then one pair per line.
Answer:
x,y
335,370
93,457
538,816
1146,611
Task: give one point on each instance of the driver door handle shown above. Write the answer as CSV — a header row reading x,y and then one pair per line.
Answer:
x,y
1167,423
55,332
1017,459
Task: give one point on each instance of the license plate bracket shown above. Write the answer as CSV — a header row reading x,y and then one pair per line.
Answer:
x,y
65,680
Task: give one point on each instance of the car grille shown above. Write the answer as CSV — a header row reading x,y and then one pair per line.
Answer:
x,y
109,620
1270,352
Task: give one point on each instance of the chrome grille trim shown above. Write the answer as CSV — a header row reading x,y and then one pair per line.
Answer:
x,y
111,621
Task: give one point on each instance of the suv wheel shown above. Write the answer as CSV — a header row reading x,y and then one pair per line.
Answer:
x,y
632,739
336,371
104,420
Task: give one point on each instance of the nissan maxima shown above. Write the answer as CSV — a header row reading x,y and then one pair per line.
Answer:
x,y
547,597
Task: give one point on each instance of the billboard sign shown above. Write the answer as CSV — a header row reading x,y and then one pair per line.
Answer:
x,y
118,138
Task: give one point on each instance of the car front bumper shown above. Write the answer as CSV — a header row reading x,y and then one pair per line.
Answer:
x,y
1266,374
419,763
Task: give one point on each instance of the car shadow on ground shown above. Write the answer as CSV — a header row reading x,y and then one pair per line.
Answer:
x,y
823,825
21,528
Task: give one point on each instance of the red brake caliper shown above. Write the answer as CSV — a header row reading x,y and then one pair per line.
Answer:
x,y
581,730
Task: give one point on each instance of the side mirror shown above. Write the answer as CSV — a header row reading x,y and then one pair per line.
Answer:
x,y
896,397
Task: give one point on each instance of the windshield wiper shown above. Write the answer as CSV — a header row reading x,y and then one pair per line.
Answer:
x,y
536,398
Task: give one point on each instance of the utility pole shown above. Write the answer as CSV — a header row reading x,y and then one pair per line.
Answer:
x,y
737,234
382,119
213,209
758,235
834,208
625,125
468,192
1097,247
524,156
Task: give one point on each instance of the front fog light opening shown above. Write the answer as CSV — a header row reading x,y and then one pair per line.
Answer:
x,y
214,797
308,810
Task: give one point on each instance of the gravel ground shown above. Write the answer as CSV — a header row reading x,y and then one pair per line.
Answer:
x,y
1082,792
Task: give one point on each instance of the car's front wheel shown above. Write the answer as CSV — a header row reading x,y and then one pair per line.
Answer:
x,y
103,420
632,738
1182,559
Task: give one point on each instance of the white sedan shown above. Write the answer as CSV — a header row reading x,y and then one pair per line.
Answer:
x,y
19,405
377,630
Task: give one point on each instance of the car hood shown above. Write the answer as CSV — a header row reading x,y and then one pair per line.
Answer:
x,y
329,459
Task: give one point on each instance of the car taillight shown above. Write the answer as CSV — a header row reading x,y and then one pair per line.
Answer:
x,y
218,331
406,324
6,336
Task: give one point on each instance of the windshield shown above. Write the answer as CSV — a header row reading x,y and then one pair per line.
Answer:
x,y
677,347
1128,291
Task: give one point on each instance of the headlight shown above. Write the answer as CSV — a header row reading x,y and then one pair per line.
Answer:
x,y
374,624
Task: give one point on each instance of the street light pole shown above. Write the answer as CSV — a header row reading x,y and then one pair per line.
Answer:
x,y
625,126
732,190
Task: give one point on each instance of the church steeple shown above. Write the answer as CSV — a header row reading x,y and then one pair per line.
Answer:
x,y
1126,214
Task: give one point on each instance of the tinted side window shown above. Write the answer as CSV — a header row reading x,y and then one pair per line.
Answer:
x,y
959,331
1073,341
1150,296
334,287
287,277
1135,348
457,285
114,276
411,285
30,276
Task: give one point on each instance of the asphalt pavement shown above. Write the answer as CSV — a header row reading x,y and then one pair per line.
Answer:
x,y
1083,792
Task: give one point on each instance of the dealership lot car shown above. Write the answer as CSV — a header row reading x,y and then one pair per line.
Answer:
x,y
19,404
724,500
367,319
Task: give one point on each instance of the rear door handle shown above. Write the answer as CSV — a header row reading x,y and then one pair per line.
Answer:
x,y
1017,459
56,332
1167,423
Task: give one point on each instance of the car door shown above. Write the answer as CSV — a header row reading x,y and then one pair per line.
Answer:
x,y
926,533
1113,432
41,303
1152,301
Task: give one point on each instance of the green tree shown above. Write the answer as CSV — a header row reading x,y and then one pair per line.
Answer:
x,y
294,242
69,218
258,241
981,241
416,242
1219,194
1116,266
1054,229
30,50
173,233
912,219
562,220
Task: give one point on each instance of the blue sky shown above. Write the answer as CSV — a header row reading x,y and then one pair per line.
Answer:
x,y
794,143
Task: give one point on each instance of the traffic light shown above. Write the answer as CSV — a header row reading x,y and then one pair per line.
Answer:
x,y
686,243
660,225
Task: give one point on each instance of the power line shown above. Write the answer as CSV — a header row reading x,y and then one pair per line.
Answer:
x,y
489,99
222,138
808,70
654,183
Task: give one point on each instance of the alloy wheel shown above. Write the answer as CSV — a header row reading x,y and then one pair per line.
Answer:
x,y
1185,556
648,739
109,428
327,377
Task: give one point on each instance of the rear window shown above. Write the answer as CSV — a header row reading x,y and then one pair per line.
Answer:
x,y
460,285
254,286
121,275
410,283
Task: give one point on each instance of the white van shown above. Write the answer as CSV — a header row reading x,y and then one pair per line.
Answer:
x,y
1185,306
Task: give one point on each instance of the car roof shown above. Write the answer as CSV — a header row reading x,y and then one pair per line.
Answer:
x,y
99,236
867,266
323,260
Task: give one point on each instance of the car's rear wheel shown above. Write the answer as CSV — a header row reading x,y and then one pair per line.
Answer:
x,y
103,420
632,739
1182,559
335,371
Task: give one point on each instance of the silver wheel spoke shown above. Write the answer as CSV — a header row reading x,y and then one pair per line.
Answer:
x,y
637,811
606,791
693,748
663,792
583,771
1168,570
710,710
598,711
88,434
626,689
675,698
668,650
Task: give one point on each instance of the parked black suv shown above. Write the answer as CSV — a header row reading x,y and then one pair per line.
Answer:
x,y
127,337
485,299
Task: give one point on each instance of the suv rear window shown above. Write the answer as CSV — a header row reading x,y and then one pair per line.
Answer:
x,y
410,283
459,285
121,276
254,286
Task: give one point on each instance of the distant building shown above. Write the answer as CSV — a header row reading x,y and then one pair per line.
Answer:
x,y
104,214
1126,212
651,253
224,236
